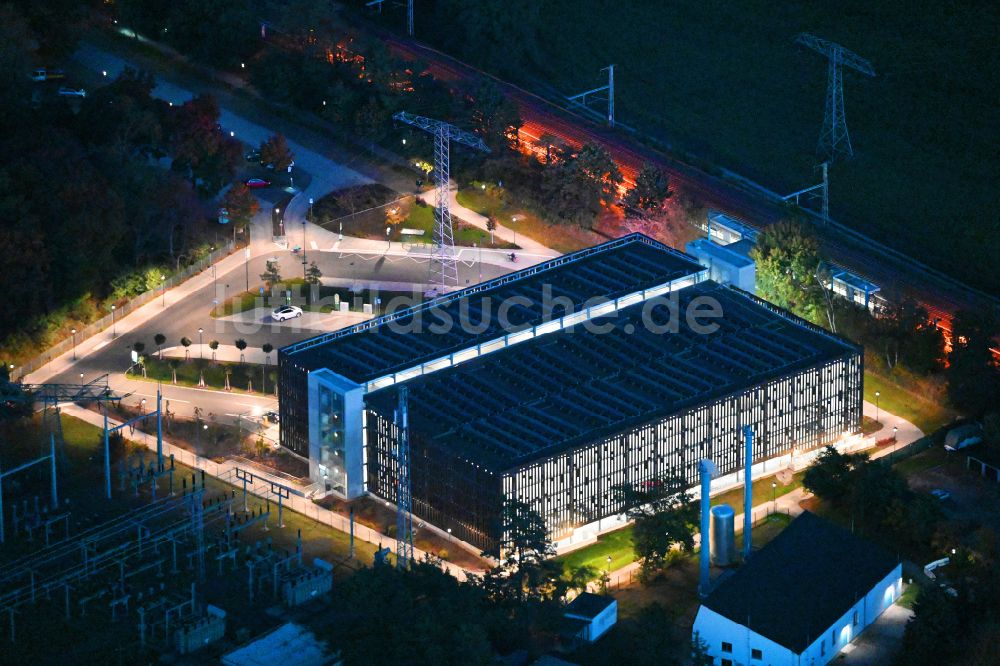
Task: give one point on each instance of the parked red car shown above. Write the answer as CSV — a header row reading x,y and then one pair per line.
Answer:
x,y
256,183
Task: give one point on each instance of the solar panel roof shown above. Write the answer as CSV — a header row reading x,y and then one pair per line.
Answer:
x,y
412,336
570,387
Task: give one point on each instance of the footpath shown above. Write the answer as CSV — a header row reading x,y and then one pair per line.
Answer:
x,y
790,503
261,487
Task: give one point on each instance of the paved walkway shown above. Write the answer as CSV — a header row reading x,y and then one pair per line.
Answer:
x,y
790,502
475,219
261,488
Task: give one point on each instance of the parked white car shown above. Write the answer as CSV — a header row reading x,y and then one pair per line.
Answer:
x,y
72,92
286,312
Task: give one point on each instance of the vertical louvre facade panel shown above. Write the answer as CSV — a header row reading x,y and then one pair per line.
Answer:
x,y
801,411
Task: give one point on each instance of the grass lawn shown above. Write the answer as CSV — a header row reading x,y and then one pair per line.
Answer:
x,y
926,415
560,237
932,457
617,544
241,375
908,596
760,492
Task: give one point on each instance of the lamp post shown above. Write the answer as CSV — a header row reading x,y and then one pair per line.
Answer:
x,y
73,331
513,222
774,497
877,394
892,455
304,248
201,347
340,234
113,328
163,290
388,243
281,221
143,404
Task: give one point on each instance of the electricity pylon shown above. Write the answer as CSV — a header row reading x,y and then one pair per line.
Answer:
x,y
446,269
834,140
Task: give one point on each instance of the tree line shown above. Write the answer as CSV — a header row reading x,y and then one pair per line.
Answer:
x,y
899,337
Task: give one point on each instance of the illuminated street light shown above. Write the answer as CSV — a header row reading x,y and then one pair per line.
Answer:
x,y
201,347
73,331
774,497
113,333
877,394
163,290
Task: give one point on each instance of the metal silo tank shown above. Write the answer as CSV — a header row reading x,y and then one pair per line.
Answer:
x,y
723,535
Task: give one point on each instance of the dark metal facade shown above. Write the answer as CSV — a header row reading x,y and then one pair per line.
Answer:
x,y
293,397
447,490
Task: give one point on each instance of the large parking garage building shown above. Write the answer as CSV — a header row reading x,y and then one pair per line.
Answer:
x,y
565,402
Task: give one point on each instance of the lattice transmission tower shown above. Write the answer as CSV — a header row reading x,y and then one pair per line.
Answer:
x,y
404,486
444,264
834,140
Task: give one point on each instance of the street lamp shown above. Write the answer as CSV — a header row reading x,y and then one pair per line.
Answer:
x,y
163,290
774,497
143,404
113,329
877,394
201,348
513,221
73,331
388,243
892,455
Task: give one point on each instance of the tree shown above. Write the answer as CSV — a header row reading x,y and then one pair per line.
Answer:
x,y
787,256
138,347
271,275
650,192
596,163
214,346
276,151
201,151
525,572
829,477
241,204
699,651
267,348
241,344
665,518
491,226
932,635
973,374
371,120
495,117
510,27
159,339
186,342
313,277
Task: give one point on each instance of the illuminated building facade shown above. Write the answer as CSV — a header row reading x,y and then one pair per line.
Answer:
x,y
625,383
